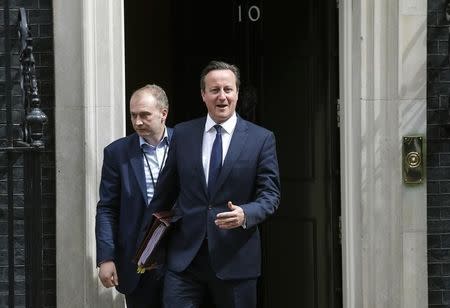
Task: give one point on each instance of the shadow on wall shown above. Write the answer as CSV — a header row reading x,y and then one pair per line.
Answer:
x,y
412,79
106,297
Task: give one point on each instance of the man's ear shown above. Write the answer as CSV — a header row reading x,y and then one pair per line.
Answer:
x,y
202,92
164,113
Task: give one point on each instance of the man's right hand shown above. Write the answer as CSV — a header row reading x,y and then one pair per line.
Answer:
x,y
108,274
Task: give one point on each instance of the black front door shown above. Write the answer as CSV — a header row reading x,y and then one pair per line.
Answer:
x,y
287,56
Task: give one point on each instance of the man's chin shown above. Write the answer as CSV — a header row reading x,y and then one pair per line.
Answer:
x,y
222,118
142,134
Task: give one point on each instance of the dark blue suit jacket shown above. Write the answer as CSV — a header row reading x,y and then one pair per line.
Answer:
x,y
121,208
249,178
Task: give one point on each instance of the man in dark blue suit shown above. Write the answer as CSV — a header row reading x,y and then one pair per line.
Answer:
x,y
131,166
222,175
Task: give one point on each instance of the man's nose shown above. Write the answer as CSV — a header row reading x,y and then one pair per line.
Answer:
x,y
222,94
138,121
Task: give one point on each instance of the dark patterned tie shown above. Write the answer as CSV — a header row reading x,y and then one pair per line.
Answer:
x,y
215,162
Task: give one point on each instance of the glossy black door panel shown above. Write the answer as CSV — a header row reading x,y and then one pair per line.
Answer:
x,y
286,51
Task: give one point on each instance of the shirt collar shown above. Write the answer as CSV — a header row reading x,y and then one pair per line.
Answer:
x,y
164,141
228,126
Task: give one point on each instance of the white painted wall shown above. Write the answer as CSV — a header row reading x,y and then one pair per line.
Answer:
x,y
89,114
383,93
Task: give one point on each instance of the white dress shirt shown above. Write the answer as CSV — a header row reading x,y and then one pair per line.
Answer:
x,y
208,139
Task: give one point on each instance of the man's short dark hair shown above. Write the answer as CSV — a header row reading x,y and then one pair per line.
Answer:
x,y
219,65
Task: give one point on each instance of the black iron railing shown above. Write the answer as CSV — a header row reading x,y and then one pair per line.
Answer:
x,y
23,140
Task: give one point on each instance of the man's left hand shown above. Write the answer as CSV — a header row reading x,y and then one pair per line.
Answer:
x,y
232,219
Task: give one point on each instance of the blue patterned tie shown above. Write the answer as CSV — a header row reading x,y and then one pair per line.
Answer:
x,y
215,162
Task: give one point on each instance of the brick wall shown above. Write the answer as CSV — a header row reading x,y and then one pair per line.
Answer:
x,y
40,23
438,160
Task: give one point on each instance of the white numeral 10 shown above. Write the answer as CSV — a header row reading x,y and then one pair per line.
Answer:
x,y
253,13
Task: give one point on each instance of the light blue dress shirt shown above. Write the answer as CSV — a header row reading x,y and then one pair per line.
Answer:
x,y
156,156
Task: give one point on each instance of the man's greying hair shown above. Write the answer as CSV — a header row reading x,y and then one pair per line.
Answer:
x,y
156,91
219,65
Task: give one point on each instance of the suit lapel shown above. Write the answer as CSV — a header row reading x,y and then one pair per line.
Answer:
x,y
238,141
137,164
197,146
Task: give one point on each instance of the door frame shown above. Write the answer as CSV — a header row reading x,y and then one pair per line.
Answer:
x,y
350,152
382,41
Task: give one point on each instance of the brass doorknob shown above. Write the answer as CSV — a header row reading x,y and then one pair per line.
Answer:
x,y
413,159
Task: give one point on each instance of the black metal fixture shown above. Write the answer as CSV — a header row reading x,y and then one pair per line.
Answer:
x,y
32,144
24,140
35,118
